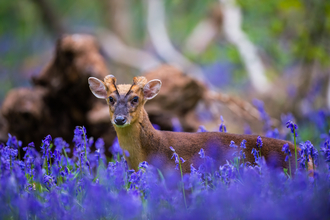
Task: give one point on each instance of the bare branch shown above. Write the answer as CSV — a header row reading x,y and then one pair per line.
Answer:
x,y
235,35
118,17
121,53
205,31
162,42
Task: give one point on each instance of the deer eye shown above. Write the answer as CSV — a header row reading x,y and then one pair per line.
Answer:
x,y
111,100
135,99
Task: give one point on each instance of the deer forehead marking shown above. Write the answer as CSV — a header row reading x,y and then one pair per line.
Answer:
x,y
124,89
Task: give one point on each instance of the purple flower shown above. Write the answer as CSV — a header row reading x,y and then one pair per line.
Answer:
x,y
263,114
201,128
243,144
175,155
287,151
79,139
232,144
45,146
157,127
201,153
144,165
64,172
326,150
259,142
61,144
115,148
13,142
193,170
176,125
242,154
293,127
49,181
182,160
222,127
255,154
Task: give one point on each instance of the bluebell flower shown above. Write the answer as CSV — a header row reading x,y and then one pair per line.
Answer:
x,y
243,144
47,140
99,144
182,160
255,154
45,146
273,133
222,127
78,139
201,153
176,125
193,170
232,144
314,154
242,154
293,127
61,144
65,172
201,128
263,114
175,155
49,181
247,129
157,127
126,153
13,142
115,148
144,165
326,150
259,142
287,151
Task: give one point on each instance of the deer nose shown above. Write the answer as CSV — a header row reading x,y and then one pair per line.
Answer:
x,y
120,120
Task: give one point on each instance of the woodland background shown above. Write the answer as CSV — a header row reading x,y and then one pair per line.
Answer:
x,y
290,38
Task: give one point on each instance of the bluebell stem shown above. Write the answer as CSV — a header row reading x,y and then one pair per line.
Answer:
x,y
294,129
178,163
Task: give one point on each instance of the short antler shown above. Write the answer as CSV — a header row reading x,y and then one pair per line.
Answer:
x,y
140,81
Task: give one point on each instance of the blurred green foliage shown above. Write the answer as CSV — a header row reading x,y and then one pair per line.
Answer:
x,y
283,30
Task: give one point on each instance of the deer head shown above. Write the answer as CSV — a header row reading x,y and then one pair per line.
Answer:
x,y
125,101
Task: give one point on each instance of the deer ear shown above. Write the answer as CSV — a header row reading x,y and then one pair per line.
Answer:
x,y
151,89
97,87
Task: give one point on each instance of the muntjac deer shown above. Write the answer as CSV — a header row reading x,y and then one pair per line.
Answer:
x,y
137,135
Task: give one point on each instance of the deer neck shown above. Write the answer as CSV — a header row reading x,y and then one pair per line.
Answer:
x,y
135,139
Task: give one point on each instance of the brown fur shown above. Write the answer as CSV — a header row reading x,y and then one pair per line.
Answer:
x,y
144,143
